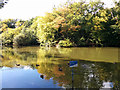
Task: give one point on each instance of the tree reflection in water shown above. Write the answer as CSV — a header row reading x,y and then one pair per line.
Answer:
x,y
50,64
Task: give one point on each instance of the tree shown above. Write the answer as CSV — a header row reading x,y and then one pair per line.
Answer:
x,y
2,3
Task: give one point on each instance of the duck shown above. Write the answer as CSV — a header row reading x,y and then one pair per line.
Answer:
x,y
1,56
17,64
60,69
37,65
42,76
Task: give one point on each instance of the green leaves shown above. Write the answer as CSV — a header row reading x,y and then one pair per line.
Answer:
x,y
71,24
2,3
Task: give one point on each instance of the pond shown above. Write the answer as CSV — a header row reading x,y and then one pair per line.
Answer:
x,y
35,67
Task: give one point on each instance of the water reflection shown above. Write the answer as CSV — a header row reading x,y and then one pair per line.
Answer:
x,y
53,65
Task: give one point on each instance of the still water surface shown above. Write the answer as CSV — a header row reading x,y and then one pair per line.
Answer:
x,y
35,67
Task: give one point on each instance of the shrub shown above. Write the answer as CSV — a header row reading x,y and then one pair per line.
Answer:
x,y
25,39
65,43
7,37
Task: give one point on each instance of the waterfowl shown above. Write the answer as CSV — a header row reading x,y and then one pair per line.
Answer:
x,y
1,56
17,64
60,69
42,76
37,65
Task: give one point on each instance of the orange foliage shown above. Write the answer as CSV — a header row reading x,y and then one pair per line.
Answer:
x,y
74,28
56,26
62,31
57,72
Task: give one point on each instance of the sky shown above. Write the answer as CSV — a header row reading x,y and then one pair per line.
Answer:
x,y
26,9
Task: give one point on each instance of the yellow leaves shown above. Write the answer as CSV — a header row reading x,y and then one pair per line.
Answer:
x,y
18,23
97,20
88,23
78,26
103,13
7,20
49,17
74,28
56,26
97,27
64,26
4,27
103,17
59,20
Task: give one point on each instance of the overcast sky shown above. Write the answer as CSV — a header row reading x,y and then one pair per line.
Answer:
x,y
26,9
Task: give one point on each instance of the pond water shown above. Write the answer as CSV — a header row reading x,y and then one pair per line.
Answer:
x,y
35,67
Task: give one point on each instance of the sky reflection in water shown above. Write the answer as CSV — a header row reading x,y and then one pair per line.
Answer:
x,y
22,78
21,68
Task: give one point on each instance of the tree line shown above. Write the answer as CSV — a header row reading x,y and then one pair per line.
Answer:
x,y
72,24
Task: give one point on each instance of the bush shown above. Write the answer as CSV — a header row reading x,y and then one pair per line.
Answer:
x,y
65,43
25,39
7,37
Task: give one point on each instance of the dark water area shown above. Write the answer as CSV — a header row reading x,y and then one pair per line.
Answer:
x,y
35,67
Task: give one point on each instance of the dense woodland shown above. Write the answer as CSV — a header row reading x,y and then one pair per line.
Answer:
x,y
72,24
